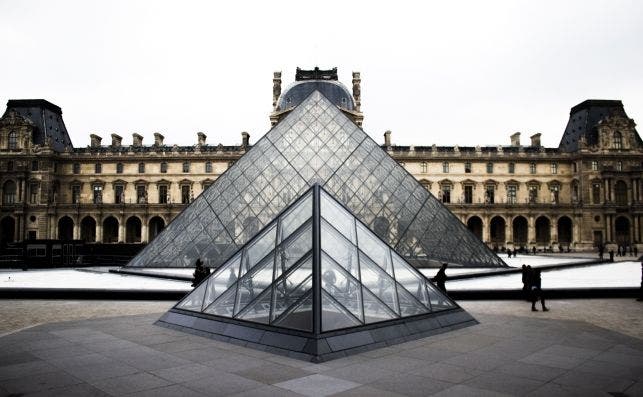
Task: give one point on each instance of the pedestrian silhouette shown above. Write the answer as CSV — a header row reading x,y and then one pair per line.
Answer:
x,y
536,291
641,289
441,277
200,273
525,283
601,251
611,255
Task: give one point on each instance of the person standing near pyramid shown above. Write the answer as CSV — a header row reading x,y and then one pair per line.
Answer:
x,y
441,277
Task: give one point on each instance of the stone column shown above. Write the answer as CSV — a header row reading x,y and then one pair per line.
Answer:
x,y
509,231
486,229
531,229
607,190
576,231
608,228
99,231
76,230
144,236
121,230
553,232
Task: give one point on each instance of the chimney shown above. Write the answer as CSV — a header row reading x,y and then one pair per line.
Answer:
x,y
94,140
245,139
137,140
387,138
158,139
357,91
535,140
201,138
515,139
116,140
276,88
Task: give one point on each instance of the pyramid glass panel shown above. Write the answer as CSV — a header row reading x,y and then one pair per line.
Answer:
x,y
316,281
316,144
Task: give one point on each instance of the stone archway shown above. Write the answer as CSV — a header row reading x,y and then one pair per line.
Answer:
x,y
622,231
133,228
65,228
88,229
156,225
497,230
7,230
474,224
565,229
110,230
543,230
520,229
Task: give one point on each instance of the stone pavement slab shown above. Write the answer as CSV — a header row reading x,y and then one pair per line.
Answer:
x,y
503,355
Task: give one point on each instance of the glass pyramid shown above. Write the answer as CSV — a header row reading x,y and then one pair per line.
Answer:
x,y
315,270
301,261
315,144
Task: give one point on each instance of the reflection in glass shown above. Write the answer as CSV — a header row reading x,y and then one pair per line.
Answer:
x,y
380,283
338,217
374,248
254,283
341,286
291,288
340,249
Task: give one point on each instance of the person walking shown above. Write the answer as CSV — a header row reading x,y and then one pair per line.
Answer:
x,y
441,277
601,251
525,282
640,298
612,255
200,273
537,292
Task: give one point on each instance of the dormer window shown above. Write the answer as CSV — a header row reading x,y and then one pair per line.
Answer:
x,y
13,140
618,140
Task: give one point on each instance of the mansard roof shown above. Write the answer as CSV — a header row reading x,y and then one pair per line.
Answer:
x,y
47,119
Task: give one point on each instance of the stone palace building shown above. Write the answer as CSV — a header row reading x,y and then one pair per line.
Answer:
x,y
586,191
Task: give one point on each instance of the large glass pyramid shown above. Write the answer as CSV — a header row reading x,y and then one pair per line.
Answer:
x,y
316,143
316,272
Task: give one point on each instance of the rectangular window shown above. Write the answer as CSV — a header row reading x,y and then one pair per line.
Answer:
x,y
619,166
532,168
512,168
76,167
467,167
208,167
554,168
141,194
489,194
423,167
119,168
445,167
489,168
141,168
185,194
119,194
554,194
34,165
468,194
164,168
511,194
33,193
533,194
13,140
98,168
163,194
446,193
75,194
594,165
98,194
186,166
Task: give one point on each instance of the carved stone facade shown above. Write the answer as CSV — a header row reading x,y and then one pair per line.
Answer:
x,y
585,192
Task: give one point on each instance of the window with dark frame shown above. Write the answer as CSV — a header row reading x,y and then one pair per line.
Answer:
x,y
119,168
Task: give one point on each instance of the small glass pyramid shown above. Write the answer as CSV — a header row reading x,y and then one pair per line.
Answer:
x,y
315,144
315,269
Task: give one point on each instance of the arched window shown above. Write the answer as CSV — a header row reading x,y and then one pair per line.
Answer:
x,y
13,140
618,140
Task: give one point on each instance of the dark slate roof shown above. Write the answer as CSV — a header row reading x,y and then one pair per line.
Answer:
x,y
48,121
335,91
583,120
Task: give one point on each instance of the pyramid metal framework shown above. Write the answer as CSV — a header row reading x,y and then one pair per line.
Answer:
x,y
316,284
316,143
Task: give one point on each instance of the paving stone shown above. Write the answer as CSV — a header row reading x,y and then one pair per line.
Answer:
x,y
96,372
273,373
569,351
504,383
446,372
610,369
80,390
556,390
186,373
410,385
237,363
30,368
222,385
429,354
267,391
204,354
61,352
468,391
531,371
130,383
396,363
168,391
367,391
483,362
552,360
593,381
17,358
36,382
360,373
317,385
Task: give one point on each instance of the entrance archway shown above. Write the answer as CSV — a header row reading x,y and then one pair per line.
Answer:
x,y
565,229
520,229
156,225
133,230
65,228
110,230
622,230
7,230
543,230
497,230
475,225
88,229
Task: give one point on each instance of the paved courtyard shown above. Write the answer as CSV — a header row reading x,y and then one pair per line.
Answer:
x,y
511,352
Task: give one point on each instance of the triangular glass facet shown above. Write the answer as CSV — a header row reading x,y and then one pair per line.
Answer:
x,y
315,144
334,315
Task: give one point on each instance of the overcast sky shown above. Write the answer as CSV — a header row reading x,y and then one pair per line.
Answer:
x,y
446,72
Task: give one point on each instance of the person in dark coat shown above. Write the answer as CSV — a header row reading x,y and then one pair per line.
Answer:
x,y
611,255
641,289
601,251
525,282
536,291
441,277
200,273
